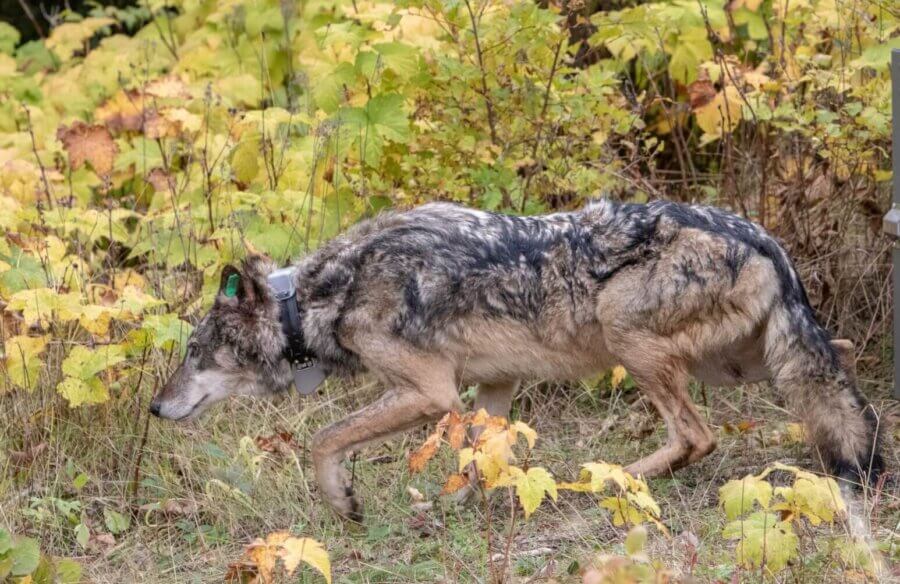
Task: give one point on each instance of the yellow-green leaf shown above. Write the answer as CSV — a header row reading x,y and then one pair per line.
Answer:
x,y
295,550
737,496
22,361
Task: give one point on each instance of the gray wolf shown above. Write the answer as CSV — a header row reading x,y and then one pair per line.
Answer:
x,y
443,296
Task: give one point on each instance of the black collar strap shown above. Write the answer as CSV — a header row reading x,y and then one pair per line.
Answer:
x,y
308,372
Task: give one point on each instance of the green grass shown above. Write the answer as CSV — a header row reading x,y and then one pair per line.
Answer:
x,y
206,490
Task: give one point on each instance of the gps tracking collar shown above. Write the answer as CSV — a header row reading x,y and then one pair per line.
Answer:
x,y
308,372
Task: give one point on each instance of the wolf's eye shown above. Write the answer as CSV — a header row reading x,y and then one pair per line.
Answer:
x,y
191,351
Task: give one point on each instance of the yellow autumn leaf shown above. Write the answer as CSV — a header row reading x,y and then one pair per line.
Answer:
x,y
41,305
466,457
67,38
95,319
617,376
188,122
531,486
21,359
295,550
721,114
796,432
79,391
264,554
517,428
737,496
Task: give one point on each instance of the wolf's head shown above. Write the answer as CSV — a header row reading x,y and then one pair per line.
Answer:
x,y
236,349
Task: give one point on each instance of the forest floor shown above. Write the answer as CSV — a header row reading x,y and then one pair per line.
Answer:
x,y
207,489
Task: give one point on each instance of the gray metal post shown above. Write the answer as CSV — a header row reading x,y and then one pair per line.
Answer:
x,y
892,219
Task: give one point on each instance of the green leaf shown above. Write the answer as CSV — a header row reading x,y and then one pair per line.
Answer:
x,y
79,392
384,118
9,38
737,497
5,541
167,330
635,540
82,535
25,272
691,49
115,522
80,481
26,555
245,161
85,363
401,58
68,571
328,93
877,57
763,539
386,113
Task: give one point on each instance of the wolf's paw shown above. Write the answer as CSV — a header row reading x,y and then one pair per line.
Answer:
x,y
472,493
348,506
469,495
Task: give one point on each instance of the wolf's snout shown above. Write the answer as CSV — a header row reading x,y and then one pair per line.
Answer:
x,y
155,406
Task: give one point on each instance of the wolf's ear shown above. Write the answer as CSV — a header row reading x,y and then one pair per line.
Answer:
x,y
231,286
256,269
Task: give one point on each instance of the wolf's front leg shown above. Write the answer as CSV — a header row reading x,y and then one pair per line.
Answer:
x,y
423,392
496,399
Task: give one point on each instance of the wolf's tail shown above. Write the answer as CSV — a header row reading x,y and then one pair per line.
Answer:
x,y
819,383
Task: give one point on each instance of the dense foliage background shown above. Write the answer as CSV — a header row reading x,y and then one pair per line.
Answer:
x,y
142,148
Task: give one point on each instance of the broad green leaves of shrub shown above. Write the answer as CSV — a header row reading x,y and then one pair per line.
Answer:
x,y
21,559
762,517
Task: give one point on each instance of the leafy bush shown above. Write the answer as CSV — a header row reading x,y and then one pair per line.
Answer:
x,y
21,561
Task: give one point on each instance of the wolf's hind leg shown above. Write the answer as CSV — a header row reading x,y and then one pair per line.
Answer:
x,y
664,380
423,392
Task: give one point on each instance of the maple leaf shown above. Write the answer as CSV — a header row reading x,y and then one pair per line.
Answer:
x,y
420,457
69,37
531,486
454,483
737,496
264,554
456,431
89,143
521,428
295,550
81,384
721,114
701,91
594,475
185,120
123,111
261,556
816,498
21,359
158,126
41,305
168,87
763,539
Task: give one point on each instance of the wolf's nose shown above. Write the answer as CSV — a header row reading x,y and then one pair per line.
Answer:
x,y
154,407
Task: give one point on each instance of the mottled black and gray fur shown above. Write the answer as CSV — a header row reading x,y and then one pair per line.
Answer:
x,y
442,295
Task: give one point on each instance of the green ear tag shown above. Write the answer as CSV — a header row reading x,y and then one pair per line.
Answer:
x,y
231,285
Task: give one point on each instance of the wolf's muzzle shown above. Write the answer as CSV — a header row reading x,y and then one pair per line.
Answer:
x,y
154,407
